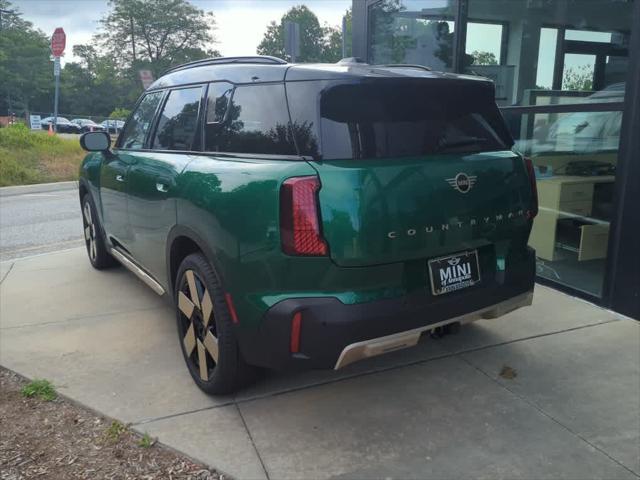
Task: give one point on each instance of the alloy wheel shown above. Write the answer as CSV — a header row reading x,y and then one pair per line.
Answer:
x,y
198,326
89,231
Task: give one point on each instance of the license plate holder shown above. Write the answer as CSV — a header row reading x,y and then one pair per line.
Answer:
x,y
454,272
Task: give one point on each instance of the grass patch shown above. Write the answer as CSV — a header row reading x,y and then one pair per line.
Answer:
x,y
28,156
146,441
115,431
43,389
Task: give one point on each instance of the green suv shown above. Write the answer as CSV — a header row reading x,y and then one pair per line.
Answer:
x,y
309,216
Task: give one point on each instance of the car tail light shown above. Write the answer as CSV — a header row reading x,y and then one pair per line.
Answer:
x,y
534,188
295,332
300,217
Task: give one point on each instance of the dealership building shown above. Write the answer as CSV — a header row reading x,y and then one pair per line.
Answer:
x,y
567,80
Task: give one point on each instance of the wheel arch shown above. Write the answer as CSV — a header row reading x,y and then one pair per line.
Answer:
x,y
181,242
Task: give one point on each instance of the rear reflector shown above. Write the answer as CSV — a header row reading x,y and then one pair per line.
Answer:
x,y
295,332
300,217
534,188
232,308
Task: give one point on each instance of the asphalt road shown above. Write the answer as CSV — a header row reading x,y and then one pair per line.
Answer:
x,y
34,223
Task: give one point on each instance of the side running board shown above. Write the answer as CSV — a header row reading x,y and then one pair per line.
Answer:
x,y
125,260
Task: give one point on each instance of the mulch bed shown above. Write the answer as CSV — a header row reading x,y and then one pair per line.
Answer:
x,y
61,440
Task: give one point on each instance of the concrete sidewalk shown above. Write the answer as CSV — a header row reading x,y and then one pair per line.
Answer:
x,y
437,410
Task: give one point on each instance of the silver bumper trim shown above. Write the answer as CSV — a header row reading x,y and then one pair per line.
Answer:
x,y
397,341
137,271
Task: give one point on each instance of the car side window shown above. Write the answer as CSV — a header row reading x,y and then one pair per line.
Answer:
x,y
178,122
218,101
255,120
138,126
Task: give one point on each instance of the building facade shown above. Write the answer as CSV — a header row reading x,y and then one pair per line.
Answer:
x,y
567,78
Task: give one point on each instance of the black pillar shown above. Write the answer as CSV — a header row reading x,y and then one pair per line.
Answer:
x,y
623,273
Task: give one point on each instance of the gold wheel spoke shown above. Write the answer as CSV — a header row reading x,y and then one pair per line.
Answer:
x,y
185,305
211,344
193,291
189,340
87,213
202,361
207,308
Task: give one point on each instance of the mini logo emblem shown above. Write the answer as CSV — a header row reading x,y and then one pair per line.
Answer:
x,y
453,261
462,182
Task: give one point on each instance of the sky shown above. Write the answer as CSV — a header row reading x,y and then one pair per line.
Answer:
x,y
241,24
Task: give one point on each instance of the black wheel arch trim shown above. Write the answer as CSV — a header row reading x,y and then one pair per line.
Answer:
x,y
187,232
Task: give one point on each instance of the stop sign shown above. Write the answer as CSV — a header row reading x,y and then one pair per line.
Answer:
x,y
58,41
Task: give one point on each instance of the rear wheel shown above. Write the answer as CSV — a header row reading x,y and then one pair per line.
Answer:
x,y
207,337
93,236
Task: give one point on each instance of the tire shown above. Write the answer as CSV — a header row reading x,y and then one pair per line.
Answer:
x,y
207,337
99,257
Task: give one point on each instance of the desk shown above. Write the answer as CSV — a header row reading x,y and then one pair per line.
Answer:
x,y
566,196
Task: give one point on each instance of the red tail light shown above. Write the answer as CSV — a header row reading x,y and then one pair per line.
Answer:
x,y
534,188
300,217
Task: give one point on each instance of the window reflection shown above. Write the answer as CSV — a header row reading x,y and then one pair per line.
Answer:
x,y
255,121
178,121
413,32
138,126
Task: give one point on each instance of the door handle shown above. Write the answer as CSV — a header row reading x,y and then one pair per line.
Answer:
x,y
162,187
120,178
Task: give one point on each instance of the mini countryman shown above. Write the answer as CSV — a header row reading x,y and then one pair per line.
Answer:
x,y
310,216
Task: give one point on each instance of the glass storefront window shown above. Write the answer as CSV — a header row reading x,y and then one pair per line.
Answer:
x,y
414,32
559,69
565,90
490,35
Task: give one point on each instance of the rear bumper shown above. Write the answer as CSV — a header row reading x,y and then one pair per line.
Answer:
x,y
334,334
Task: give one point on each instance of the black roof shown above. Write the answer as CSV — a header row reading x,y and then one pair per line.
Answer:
x,y
261,69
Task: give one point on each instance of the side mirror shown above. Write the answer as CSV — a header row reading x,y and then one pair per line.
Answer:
x,y
95,141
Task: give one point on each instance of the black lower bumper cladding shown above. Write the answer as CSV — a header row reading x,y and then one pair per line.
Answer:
x,y
328,325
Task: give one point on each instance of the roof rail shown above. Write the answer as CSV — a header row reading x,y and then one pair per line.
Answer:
x,y
259,59
404,65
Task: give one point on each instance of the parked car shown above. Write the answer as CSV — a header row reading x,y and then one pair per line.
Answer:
x,y
88,125
63,125
310,216
112,126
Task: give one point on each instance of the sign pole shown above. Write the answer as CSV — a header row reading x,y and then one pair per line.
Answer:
x,y
56,74
58,42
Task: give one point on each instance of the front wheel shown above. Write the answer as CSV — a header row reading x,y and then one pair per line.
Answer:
x,y
99,257
209,344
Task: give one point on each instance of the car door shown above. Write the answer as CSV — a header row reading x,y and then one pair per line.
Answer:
x,y
152,177
115,170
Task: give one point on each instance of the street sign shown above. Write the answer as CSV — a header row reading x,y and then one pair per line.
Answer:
x,y
146,77
292,39
34,122
56,66
58,42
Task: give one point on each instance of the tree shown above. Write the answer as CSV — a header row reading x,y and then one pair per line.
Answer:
x,y
578,78
156,34
25,68
484,58
317,43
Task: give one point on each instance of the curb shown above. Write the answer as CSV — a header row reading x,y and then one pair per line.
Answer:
x,y
38,188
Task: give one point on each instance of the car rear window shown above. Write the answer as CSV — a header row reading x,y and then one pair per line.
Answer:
x,y
395,118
